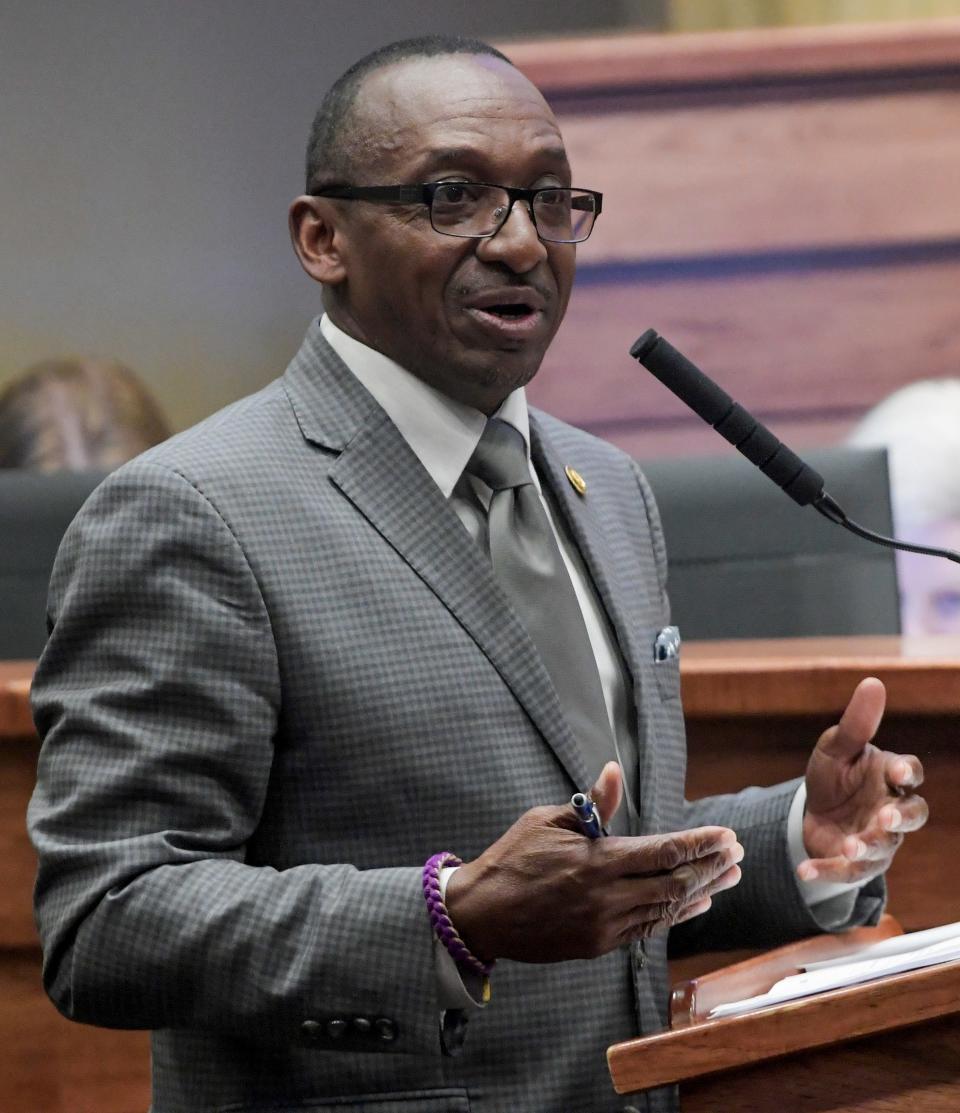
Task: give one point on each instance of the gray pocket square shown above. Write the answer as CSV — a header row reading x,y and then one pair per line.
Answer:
x,y
667,644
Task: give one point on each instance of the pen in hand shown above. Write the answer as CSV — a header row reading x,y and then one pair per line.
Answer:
x,y
587,815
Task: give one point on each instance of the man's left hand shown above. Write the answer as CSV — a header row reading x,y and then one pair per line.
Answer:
x,y
861,800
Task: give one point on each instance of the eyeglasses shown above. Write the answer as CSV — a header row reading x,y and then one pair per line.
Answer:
x,y
477,210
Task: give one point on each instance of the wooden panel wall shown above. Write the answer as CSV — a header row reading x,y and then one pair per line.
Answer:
x,y
781,205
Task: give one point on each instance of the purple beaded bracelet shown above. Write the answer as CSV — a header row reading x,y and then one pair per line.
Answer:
x,y
440,918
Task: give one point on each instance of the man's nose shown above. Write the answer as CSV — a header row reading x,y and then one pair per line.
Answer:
x,y
516,244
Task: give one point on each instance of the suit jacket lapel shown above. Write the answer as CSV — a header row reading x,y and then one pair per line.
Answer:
x,y
580,517
378,472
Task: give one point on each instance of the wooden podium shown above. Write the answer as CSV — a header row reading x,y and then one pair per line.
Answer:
x,y
883,1046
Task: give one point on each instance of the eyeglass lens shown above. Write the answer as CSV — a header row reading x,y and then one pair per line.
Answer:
x,y
467,209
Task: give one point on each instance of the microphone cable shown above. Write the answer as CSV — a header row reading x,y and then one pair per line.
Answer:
x,y
754,440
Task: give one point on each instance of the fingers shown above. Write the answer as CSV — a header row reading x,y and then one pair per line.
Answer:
x,y
543,892
859,722
608,792
873,846
881,839
687,881
694,879
680,895
626,895
693,910
839,869
651,882
876,844
843,869
864,856
903,772
870,851
657,854
646,905
650,919
907,813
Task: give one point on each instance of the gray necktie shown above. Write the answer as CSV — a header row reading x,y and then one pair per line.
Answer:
x,y
529,568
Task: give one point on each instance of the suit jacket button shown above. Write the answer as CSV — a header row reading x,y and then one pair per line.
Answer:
x,y
362,1025
386,1029
639,957
310,1031
336,1028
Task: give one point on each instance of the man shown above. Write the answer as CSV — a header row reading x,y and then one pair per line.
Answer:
x,y
290,663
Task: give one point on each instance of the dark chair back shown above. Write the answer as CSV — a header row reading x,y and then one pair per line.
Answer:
x,y
745,561
35,510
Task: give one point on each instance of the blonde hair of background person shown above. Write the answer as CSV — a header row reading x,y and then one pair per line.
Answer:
x,y
77,415
919,426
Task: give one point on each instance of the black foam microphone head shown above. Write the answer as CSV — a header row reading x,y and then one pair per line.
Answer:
x,y
709,401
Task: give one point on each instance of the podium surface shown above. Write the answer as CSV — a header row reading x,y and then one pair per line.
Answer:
x,y
812,676
15,720
892,1044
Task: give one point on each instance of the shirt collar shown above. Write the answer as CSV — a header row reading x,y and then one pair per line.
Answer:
x,y
442,432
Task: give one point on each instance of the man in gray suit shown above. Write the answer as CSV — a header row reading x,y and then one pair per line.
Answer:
x,y
282,674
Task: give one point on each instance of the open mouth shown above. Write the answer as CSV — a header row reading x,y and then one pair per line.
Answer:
x,y
508,312
509,315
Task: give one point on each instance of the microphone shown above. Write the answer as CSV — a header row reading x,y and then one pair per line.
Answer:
x,y
731,421
753,439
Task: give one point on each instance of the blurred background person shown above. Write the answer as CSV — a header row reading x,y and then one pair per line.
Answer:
x,y
77,415
919,426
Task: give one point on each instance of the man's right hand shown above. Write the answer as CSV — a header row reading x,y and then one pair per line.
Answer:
x,y
544,892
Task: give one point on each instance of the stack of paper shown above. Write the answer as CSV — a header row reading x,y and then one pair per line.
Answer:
x,y
892,956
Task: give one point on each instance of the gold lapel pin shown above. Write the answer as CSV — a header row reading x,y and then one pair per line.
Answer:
x,y
577,482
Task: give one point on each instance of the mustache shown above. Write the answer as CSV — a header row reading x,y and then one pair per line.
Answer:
x,y
505,280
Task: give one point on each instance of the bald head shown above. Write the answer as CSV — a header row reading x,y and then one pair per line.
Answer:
x,y
411,119
335,142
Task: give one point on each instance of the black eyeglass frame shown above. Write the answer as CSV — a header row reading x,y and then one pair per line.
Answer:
x,y
423,195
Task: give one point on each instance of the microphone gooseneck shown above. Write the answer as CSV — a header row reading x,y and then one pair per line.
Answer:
x,y
753,439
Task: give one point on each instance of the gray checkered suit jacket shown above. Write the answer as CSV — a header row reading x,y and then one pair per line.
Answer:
x,y
280,676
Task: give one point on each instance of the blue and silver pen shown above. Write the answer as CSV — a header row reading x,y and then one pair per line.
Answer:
x,y
588,815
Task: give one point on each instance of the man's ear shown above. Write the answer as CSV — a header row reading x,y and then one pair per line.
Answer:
x,y
317,238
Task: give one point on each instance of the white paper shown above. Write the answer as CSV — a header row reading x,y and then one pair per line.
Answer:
x,y
909,952
896,945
